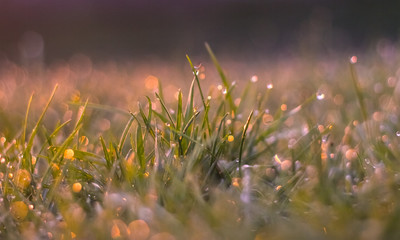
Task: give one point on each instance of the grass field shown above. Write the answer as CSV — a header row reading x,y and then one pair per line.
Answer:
x,y
299,149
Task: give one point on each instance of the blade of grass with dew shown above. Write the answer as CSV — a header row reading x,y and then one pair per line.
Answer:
x,y
205,106
225,81
197,81
27,162
242,142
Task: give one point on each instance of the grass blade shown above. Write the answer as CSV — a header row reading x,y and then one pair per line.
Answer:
x,y
225,81
359,93
124,134
26,121
242,142
166,110
189,105
140,148
26,162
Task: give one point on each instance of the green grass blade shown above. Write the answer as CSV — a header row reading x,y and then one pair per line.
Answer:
x,y
216,137
221,73
147,120
26,121
26,162
107,156
197,80
359,92
179,117
189,105
140,148
242,142
54,133
166,110
124,134
190,122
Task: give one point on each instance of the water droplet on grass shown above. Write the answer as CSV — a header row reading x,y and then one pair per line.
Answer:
x,y
398,133
353,59
320,96
270,86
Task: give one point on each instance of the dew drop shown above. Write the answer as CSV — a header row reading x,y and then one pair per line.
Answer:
x,y
320,96
353,59
254,78
270,86
398,133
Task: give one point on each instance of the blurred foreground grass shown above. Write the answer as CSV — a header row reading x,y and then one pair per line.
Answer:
x,y
308,150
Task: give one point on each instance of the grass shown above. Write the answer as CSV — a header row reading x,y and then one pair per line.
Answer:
x,y
318,163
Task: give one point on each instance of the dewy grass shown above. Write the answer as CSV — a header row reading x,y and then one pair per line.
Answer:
x,y
293,169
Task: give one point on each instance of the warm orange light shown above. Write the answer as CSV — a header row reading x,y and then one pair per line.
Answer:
x,y
76,187
69,153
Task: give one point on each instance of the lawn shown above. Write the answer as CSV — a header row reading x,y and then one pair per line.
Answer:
x,y
298,148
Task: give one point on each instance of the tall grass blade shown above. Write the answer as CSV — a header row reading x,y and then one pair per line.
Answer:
x,y
124,135
221,73
26,121
147,120
189,104
242,142
107,156
26,162
166,110
140,148
197,81
359,92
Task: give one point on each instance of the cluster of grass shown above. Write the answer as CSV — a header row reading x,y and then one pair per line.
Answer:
x,y
240,165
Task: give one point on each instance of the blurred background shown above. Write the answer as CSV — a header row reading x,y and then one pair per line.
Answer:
x,y
155,29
